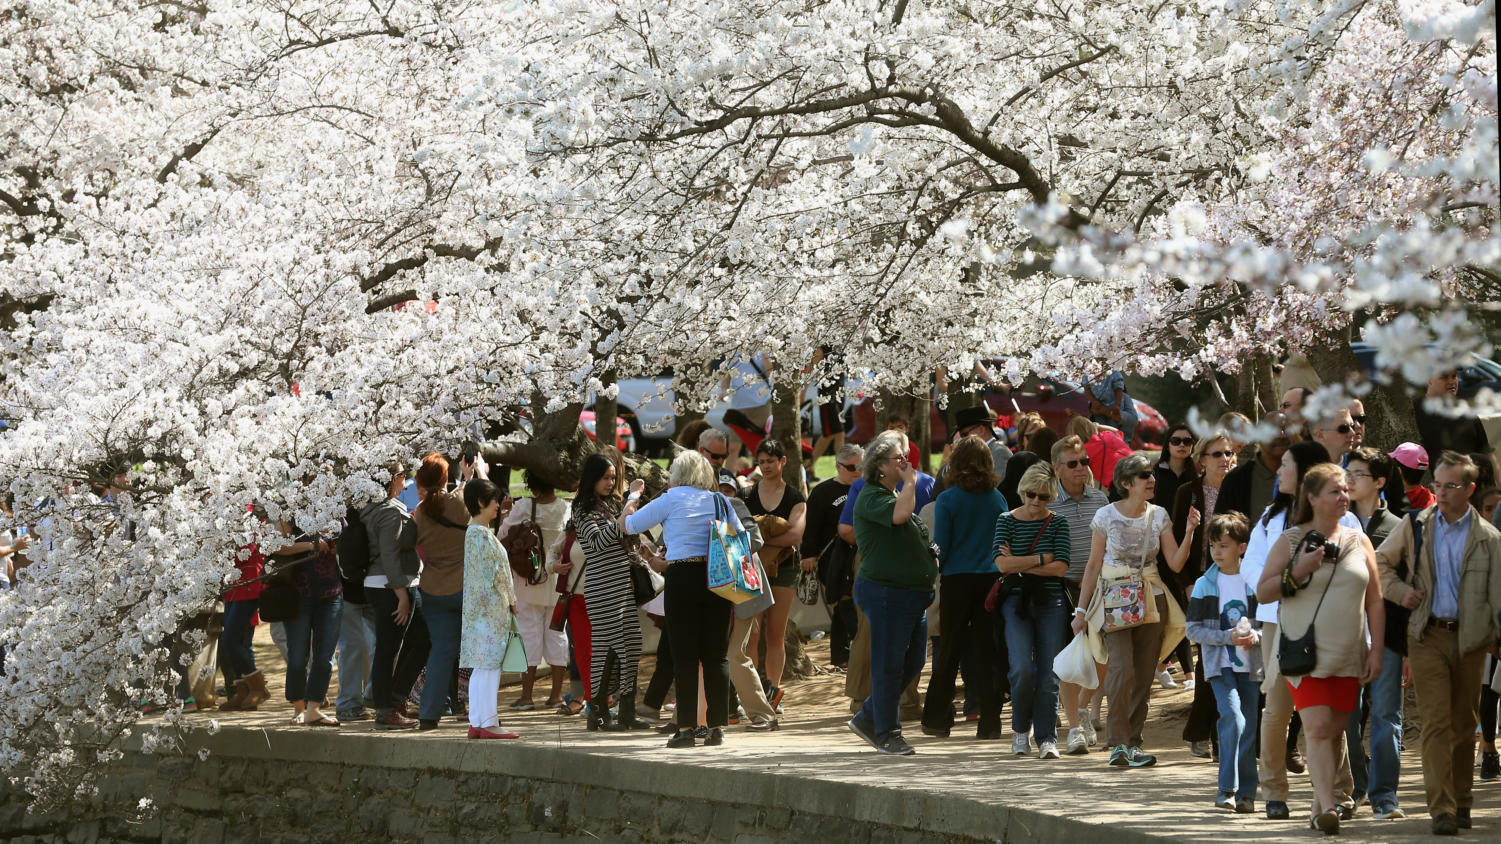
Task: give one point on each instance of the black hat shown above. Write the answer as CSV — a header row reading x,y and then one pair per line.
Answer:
x,y
971,416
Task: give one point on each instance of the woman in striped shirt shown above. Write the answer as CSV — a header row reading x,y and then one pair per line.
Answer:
x,y
1031,548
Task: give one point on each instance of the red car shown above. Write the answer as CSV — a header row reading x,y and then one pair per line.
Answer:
x,y
624,439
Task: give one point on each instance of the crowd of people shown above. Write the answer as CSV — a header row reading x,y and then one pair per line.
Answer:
x,y
1294,583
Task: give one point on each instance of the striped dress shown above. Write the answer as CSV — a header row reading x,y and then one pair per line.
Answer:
x,y
609,602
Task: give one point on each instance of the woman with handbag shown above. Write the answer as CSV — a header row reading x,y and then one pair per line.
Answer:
x,y
964,521
1032,550
893,587
1123,599
614,631
772,496
1324,574
536,596
698,619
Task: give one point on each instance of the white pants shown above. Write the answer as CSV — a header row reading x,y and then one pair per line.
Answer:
x,y
484,694
541,641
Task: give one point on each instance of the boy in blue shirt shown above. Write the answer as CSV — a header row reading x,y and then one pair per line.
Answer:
x,y
1221,619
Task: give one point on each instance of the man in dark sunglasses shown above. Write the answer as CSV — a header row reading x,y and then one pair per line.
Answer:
x,y
1336,433
1248,488
1357,416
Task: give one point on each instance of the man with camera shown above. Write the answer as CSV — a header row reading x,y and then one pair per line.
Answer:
x,y
1444,564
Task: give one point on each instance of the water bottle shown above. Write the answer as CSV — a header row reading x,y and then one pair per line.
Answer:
x,y
1242,628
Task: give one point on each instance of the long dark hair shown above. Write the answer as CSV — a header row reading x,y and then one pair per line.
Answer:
x,y
1017,466
586,501
1306,455
1165,457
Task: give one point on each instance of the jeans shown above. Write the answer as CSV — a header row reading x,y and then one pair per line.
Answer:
x,y
898,625
356,644
1386,732
1034,635
316,625
443,615
234,642
1237,696
388,637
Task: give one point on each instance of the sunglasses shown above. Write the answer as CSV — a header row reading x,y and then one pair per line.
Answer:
x,y
1180,441
1219,455
1074,464
1341,429
712,456
1144,476
1038,496
848,467
1359,420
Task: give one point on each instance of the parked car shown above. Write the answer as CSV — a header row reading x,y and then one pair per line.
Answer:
x,y
1478,373
647,406
625,440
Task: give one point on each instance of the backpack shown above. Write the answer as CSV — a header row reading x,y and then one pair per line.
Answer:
x,y
523,544
354,547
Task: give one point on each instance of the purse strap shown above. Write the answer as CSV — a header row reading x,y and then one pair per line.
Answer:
x,y
1327,584
1040,531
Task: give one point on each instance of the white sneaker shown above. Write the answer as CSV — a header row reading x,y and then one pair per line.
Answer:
x,y
1188,685
1077,744
1021,746
1047,750
1091,738
1166,680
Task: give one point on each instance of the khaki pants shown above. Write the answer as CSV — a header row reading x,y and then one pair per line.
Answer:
x,y
1448,688
1128,678
1272,768
743,674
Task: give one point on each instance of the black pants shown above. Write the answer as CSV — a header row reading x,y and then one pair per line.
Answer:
x,y
844,623
661,676
400,650
1204,714
962,621
700,633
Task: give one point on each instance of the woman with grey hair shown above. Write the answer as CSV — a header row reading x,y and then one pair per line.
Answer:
x,y
1124,605
893,588
699,624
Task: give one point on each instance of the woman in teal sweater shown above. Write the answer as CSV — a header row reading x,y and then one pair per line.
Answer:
x,y
963,526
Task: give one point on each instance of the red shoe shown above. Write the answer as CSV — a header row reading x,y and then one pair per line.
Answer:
x,y
485,733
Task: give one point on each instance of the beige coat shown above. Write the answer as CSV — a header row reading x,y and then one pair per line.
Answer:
x,y
1479,578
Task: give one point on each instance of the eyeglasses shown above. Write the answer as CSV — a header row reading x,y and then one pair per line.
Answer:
x,y
1451,486
1341,428
900,458
848,467
1219,455
1360,474
1038,496
1180,441
1359,420
1074,464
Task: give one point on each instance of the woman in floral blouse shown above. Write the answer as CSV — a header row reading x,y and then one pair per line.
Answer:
x,y
489,604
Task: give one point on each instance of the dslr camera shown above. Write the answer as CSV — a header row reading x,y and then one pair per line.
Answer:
x,y
1314,539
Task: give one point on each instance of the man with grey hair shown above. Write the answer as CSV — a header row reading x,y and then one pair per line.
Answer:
x,y
822,547
1077,499
1335,433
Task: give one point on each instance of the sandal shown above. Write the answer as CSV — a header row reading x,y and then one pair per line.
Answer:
x,y
570,707
522,706
324,721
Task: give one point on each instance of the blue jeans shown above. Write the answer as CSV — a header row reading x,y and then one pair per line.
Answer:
x,y
1035,633
898,648
1238,697
356,644
1386,733
311,638
444,617
234,642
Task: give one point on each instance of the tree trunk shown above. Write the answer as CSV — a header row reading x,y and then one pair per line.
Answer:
x,y
916,411
556,450
787,424
606,411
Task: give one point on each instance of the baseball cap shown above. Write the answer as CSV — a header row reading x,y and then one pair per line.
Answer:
x,y
727,478
1410,455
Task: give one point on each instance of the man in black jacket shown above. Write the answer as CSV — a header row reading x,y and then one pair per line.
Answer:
x,y
1248,488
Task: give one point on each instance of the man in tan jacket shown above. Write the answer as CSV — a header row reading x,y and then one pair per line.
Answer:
x,y
1452,584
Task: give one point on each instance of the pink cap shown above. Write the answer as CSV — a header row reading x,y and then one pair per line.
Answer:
x,y
1410,455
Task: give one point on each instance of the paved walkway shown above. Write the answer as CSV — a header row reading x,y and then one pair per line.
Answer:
x,y
1171,802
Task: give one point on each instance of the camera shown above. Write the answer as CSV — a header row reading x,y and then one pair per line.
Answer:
x,y
1314,539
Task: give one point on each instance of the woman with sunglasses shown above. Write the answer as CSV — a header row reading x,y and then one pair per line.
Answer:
x,y
1174,465
1212,457
1127,536
1031,550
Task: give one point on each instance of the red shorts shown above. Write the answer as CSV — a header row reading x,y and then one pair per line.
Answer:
x,y
1341,694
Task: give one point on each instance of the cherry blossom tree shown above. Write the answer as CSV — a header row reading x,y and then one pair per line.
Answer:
x,y
253,253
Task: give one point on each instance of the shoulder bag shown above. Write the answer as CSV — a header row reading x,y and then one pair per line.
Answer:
x,y
565,589
1300,656
1001,589
524,548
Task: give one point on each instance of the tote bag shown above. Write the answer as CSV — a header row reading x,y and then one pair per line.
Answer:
x,y
514,660
732,576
